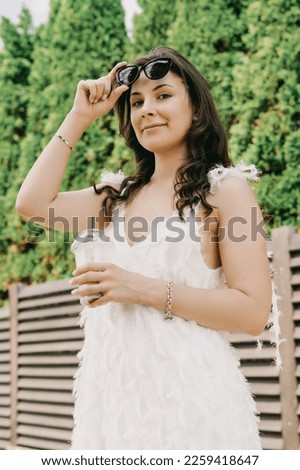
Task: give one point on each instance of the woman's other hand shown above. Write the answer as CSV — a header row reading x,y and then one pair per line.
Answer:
x,y
96,97
113,283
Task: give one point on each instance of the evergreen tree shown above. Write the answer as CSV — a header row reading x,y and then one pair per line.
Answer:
x,y
81,40
151,25
209,33
15,63
266,96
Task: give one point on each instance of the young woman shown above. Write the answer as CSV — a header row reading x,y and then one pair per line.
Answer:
x,y
185,263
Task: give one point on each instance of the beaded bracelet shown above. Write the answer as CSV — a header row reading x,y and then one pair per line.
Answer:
x,y
168,312
64,140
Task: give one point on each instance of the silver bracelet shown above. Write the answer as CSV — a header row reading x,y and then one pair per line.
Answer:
x,y
64,140
168,312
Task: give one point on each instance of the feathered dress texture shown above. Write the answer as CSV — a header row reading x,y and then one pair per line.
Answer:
x,y
147,383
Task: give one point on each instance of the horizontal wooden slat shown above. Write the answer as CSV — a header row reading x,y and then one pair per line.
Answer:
x,y
35,443
4,444
295,262
54,335
297,332
4,411
44,288
46,397
298,390
4,312
296,297
4,324
39,431
4,368
297,352
39,302
297,314
47,372
4,357
241,338
4,433
265,389
5,422
56,324
295,280
45,384
45,421
53,311
4,335
4,389
5,379
255,353
268,407
4,347
49,359
259,371
50,347
270,425
51,409
5,400
272,443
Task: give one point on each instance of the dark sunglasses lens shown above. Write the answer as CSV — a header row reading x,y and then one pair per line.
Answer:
x,y
127,75
158,69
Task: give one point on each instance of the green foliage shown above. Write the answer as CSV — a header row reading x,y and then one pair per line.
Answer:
x,y
15,64
209,33
265,128
151,25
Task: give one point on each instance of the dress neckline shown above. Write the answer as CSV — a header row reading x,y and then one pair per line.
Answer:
x,y
132,245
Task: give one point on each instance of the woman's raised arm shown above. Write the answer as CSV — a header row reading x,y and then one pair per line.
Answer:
x,y
39,196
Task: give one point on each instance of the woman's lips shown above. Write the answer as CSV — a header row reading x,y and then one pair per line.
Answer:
x,y
152,126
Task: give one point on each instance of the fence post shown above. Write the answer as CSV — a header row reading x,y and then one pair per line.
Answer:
x,y
13,305
281,240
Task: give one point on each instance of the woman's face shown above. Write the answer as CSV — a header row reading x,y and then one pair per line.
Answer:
x,y
161,113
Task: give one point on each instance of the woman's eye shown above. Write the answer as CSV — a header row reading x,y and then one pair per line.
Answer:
x,y
136,103
163,96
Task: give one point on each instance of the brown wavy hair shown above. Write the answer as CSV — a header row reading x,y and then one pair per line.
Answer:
x,y
206,142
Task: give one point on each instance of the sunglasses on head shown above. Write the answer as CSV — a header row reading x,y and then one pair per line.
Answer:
x,y
154,70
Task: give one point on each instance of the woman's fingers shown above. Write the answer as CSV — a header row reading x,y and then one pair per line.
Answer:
x,y
112,73
87,289
88,277
92,267
96,97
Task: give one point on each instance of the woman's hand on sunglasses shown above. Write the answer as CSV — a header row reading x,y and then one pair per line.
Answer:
x,y
96,97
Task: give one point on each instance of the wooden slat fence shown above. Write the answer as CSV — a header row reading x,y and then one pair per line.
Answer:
x,y
5,382
47,338
37,368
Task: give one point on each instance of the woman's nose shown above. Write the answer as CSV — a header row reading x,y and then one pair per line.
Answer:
x,y
148,109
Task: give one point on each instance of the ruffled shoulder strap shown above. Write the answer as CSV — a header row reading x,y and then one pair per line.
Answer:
x,y
110,177
219,172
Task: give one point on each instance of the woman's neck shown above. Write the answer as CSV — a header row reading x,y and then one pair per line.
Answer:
x,y
166,167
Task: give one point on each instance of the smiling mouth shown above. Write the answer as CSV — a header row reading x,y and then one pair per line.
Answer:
x,y
152,127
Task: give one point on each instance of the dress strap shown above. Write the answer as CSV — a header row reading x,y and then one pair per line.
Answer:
x,y
110,177
219,172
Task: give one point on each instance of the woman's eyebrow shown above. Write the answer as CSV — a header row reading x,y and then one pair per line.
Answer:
x,y
154,89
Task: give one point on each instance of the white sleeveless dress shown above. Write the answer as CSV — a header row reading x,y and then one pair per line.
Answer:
x,y
148,383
